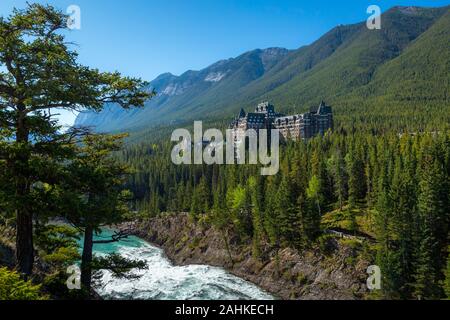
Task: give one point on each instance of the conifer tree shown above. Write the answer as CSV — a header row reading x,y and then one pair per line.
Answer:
x,y
39,74
256,187
432,210
93,197
340,178
314,194
271,218
356,177
387,258
287,214
402,202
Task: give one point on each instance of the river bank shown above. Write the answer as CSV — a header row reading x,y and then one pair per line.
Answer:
x,y
162,280
286,273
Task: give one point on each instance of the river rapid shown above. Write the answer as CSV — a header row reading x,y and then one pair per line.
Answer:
x,y
161,280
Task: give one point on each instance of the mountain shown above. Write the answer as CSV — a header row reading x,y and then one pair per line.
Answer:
x,y
192,92
357,70
411,47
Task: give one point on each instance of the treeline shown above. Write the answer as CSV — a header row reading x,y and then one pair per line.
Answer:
x,y
398,184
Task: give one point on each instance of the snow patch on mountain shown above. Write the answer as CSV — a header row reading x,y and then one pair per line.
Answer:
x,y
215,76
173,90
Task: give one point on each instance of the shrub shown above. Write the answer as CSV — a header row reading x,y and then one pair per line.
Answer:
x,y
14,288
55,285
351,243
302,279
325,243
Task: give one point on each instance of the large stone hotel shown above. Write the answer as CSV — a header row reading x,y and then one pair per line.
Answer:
x,y
296,127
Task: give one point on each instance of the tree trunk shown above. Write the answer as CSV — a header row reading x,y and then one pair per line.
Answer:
x,y
24,242
24,229
86,259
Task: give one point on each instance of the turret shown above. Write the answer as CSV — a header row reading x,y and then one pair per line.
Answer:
x,y
242,114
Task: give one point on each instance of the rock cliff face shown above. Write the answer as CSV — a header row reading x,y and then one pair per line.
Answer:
x,y
7,254
286,273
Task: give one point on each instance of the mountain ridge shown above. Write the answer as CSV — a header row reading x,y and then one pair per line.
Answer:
x,y
348,63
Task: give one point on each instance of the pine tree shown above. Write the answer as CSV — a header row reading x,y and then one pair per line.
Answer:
x,y
309,219
356,177
93,197
340,178
286,213
432,210
196,204
271,218
319,170
314,193
239,202
387,258
256,188
40,74
402,202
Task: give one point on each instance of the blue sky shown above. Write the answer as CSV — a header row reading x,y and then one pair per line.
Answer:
x,y
145,38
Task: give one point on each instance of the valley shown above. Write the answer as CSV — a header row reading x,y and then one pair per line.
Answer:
x,y
287,273
386,73
349,200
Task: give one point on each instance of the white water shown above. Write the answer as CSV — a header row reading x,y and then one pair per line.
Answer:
x,y
163,281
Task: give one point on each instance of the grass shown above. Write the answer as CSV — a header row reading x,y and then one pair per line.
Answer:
x,y
359,219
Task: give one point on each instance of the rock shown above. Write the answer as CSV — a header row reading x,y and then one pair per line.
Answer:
x,y
307,275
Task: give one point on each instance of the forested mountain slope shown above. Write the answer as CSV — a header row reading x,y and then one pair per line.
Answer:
x,y
193,92
389,72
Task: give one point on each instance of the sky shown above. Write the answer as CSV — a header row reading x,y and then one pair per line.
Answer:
x,y
144,38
